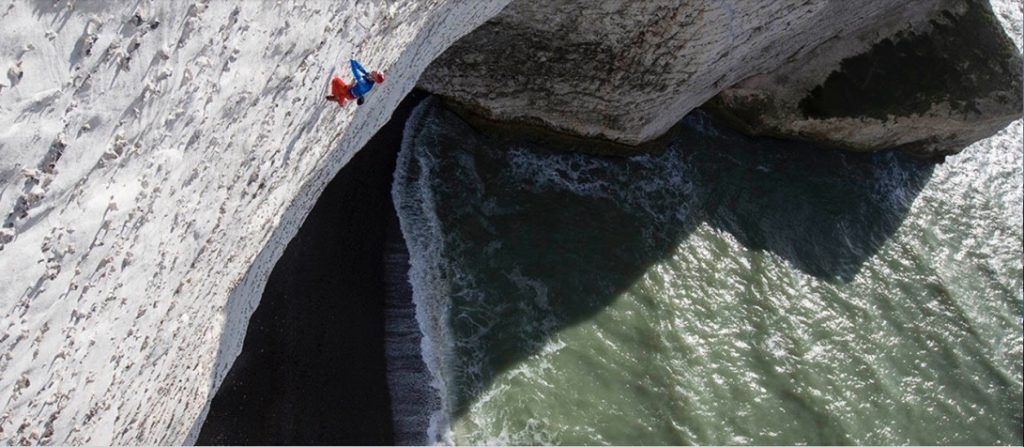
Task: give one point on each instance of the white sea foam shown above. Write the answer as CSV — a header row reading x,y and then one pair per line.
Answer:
x,y
649,184
702,306
414,202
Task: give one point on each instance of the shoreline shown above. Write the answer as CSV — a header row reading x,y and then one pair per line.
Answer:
x,y
313,366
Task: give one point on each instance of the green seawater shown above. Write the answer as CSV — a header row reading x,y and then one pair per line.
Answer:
x,y
727,291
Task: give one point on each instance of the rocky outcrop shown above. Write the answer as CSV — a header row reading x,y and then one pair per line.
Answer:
x,y
930,90
155,159
628,71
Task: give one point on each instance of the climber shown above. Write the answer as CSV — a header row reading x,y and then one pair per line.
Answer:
x,y
342,92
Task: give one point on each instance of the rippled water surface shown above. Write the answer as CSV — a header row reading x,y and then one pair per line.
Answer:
x,y
726,291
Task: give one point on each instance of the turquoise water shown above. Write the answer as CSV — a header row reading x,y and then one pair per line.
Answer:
x,y
726,291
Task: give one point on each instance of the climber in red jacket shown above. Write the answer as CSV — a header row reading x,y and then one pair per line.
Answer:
x,y
364,82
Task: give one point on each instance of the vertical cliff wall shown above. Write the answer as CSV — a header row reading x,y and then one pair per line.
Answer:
x,y
155,158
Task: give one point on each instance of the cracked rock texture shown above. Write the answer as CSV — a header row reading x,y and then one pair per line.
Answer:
x,y
155,159
628,71
931,89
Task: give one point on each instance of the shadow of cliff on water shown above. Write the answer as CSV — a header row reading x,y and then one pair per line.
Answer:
x,y
824,211
537,238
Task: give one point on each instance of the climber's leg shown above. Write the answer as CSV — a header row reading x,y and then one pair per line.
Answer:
x,y
340,90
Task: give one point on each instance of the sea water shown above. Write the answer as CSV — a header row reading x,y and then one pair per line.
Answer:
x,y
729,290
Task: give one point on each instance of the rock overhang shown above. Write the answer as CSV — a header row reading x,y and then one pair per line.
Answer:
x,y
565,67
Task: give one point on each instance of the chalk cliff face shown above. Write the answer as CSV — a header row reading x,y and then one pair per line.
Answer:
x,y
155,159
627,71
930,90
157,156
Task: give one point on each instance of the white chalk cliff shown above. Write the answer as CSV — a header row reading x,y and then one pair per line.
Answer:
x,y
155,159
157,156
628,71
932,88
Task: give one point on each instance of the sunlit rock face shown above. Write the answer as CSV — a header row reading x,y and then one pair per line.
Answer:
x,y
155,159
628,71
930,89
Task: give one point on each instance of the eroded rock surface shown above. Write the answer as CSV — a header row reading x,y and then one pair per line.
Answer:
x,y
628,71
932,89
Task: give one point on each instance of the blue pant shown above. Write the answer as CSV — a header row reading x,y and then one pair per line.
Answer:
x,y
363,82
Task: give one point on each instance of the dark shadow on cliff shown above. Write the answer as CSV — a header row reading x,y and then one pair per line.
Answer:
x,y
553,238
312,369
